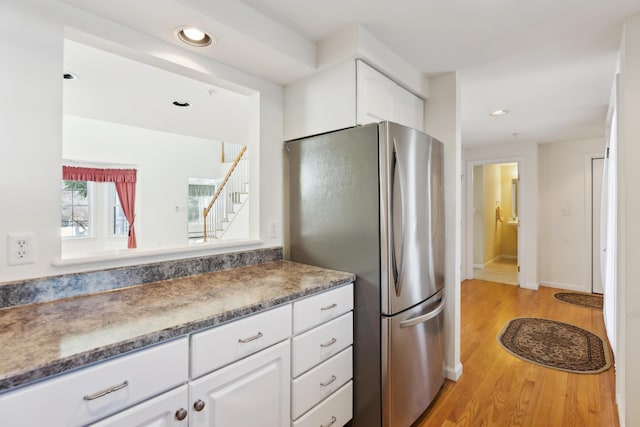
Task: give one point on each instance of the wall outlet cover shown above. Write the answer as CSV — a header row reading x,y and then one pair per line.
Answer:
x,y
20,248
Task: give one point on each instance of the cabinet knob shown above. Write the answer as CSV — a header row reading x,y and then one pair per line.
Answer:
x,y
198,405
181,414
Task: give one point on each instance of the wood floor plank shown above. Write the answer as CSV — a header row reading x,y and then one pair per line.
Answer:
x,y
499,389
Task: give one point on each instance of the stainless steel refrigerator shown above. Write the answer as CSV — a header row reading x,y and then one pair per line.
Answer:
x,y
369,200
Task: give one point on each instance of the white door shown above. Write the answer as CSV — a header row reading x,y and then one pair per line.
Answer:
x,y
167,410
597,165
254,391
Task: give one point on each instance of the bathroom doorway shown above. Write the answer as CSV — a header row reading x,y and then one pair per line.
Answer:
x,y
494,228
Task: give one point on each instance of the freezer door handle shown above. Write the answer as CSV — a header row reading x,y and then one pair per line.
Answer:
x,y
423,318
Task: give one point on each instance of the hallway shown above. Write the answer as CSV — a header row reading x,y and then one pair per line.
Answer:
x,y
498,389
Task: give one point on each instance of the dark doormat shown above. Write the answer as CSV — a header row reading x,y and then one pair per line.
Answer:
x,y
583,300
555,345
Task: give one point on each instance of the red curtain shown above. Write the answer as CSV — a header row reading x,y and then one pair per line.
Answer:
x,y
125,182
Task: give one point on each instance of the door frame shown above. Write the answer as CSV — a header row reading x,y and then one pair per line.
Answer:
x,y
468,267
588,177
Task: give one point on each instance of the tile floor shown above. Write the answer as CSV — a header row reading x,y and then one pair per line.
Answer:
x,y
501,270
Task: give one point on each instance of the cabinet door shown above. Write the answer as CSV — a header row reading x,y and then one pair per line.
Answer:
x,y
408,109
254,391
323,102
375,96
162,411
380,98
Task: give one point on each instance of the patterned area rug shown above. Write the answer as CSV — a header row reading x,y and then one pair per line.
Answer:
x,y
555,345
583,300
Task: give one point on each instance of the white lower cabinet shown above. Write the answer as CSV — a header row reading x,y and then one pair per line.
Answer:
x,y
92,393
167,410
251,392
322,360
241,375
334,411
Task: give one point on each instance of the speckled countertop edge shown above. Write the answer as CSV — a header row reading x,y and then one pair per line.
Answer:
x,y
35,334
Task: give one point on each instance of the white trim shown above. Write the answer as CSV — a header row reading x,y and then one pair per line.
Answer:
x,y
588,188
565,286
533,287
134,256
508,257
453,374
482,266
621,408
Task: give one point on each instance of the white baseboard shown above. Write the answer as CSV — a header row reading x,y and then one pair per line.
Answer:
x,y
621,409
566,286
453,374
532,286
508,256
488,262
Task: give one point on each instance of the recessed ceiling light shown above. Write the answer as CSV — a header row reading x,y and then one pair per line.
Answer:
x,y
181,104
69,76
499,113
193,36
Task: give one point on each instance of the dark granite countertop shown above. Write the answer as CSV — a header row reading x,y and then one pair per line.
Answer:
x,y
43,339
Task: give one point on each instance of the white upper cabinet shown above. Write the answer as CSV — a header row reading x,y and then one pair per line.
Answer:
x,y
349,94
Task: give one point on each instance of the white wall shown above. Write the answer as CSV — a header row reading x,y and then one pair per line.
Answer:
x,y
31,130
564,214
492,197
627,367
442,121
527,156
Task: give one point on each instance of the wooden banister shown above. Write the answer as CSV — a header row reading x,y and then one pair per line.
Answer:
x,y
206,210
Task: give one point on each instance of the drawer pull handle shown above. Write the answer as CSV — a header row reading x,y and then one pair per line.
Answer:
x,y
198,405
106,391
246,340
329,307
329,343
333,378
333,421
181,414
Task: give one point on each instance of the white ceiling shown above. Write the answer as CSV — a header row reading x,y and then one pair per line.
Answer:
x,y
551,63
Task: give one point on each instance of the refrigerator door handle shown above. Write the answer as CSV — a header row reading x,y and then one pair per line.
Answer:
x,y
396,218
423,318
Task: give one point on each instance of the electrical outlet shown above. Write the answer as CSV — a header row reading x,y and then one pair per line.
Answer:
x,y
20,248
274,230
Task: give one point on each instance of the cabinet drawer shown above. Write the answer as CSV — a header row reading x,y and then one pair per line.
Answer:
x,y
321,308
320,382
223,344
336,411
72,399
319,344
159,411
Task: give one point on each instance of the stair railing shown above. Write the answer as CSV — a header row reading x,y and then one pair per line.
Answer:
x,y
228,194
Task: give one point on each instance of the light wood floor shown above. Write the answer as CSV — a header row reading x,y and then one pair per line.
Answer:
x,y
498,389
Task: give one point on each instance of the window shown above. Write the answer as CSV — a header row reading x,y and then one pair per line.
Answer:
x,y
201,191
118,224
76,212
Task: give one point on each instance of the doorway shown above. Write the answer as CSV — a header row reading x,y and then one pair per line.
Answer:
x,y
495,223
